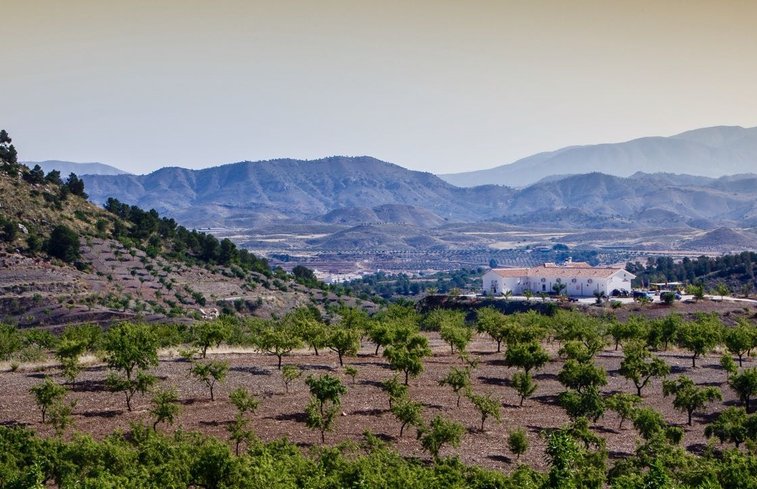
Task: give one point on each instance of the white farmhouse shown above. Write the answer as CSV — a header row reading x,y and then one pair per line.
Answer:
x,y
580,279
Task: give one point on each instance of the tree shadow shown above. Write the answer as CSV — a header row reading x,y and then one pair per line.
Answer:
x,y
104,413
433,406
500,458
373,383
495,381
298,417
215,422
12,423
90,386
546,398
370,412
545,376
251,369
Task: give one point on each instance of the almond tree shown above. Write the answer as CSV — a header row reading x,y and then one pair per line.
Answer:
x,y
130,349
46,394
745,385
438,433
688,396
326,394
165,407
459,380
406,354
493,323
487,406
407,412
277,340
699,336
640,366
740,339
210,373
343,342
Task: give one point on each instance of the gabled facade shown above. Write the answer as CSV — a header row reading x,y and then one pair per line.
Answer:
x,y
576,279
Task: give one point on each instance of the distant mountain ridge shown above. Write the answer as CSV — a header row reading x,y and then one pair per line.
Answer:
x,y
709,152
252,192
356,191
67,167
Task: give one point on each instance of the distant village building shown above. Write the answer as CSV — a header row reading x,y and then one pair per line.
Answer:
x,y
580,279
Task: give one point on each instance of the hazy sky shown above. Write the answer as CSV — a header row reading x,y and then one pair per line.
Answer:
x,y
435,85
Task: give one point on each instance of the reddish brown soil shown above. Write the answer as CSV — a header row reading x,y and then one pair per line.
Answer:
x,y
365,406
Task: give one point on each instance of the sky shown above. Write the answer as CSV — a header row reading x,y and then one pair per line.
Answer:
x,y
432,85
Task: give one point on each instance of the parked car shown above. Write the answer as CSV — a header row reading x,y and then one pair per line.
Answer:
x,y
638,294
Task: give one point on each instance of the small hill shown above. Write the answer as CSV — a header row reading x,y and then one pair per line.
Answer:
x,y
67,167
723,240
386,214
122,263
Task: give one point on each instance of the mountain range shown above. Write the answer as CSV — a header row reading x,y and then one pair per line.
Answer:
x,y
363,190
67,167
711,151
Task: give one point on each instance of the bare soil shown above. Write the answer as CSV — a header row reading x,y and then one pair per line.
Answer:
x,y
365,406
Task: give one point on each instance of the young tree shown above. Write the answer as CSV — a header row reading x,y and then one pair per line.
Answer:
x,y
624,405
459,380
309,328
210,333
527,356
727,363
517,442
245,403
60,416
451,327
439,433
278,341
580,376
165,407
326,393
407,354
68,353
407,412
10,341
210,373
688,396
648,422
486,405
587,403
745,385
524,385
722,290
663,331
493,323
130,349
635,327
395,389
740,339
343,342
381,333
289,374
730,426
699,336
640,366
46,394
352,372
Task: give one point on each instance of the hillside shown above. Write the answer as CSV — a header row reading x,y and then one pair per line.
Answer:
x,y
709,152
249,193
67,167
122,264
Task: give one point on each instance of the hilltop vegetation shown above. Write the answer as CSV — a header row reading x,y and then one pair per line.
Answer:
x,y
66,260
736,272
